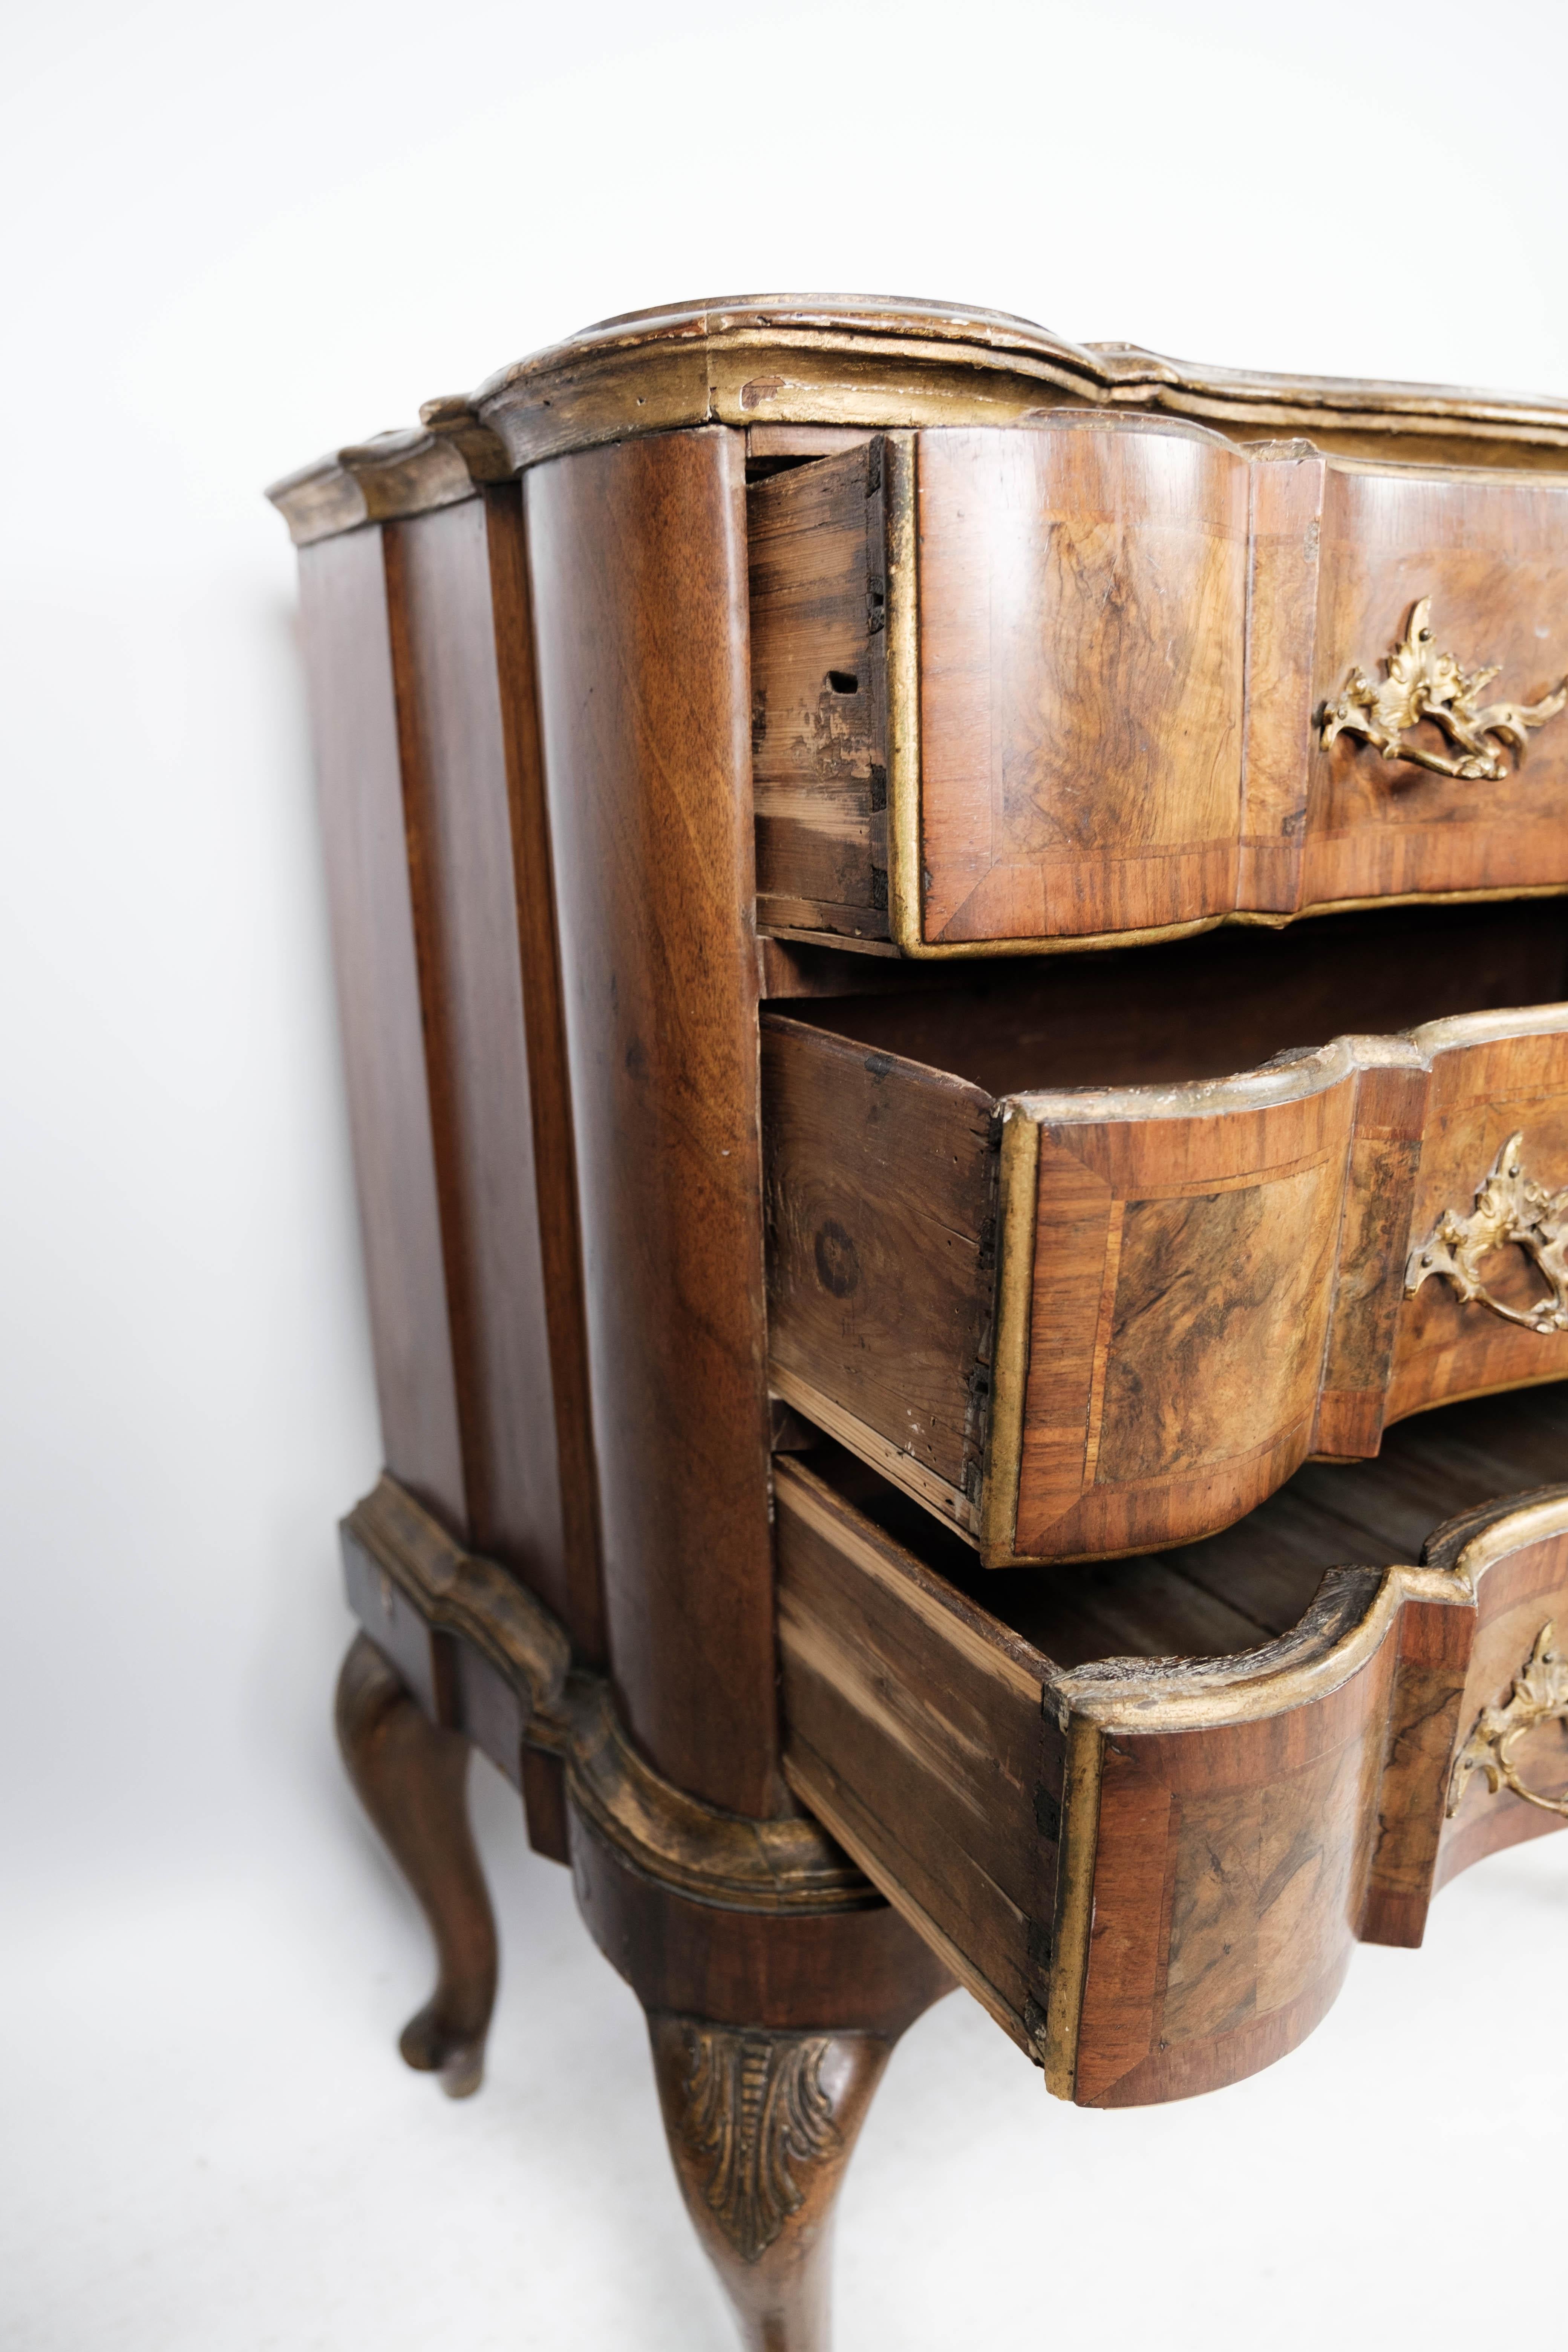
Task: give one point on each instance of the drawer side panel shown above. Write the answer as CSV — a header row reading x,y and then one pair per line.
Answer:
x,y
880,1180
923,1743
819,708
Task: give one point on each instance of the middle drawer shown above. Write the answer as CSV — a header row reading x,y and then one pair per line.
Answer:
x,y
1038,1259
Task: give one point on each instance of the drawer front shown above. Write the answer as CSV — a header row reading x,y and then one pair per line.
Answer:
x,y
1488,556
1093,1323
1484,1090
1154,1876
1115,677
1081,638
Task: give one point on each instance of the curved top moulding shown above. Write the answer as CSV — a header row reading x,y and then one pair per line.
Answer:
x,y
875,362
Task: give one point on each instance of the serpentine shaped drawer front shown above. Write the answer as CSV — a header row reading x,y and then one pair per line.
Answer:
x,y
1153,1869
1102,677
1085,1323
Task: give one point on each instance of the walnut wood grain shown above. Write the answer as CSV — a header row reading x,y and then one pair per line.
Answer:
x,y
1144,1815
348,648
881,1230
1083,590
554,1145
410,1775
816,540
636,558
460,861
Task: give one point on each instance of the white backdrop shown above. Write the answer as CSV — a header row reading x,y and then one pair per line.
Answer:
x,y
237,236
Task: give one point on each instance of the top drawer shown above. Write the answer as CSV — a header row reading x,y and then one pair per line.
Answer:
x,y
1111,677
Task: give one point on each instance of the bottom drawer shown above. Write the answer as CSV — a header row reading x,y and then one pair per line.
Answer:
x,y
1145,1812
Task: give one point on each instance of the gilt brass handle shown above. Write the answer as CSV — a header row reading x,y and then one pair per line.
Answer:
x,y
1540,1695
1509,1208
1423,683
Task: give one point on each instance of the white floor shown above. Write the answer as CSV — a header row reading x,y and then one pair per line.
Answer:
x,y
211,2146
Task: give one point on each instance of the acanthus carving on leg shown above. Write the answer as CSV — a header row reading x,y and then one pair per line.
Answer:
x,y
760,2125
411,1777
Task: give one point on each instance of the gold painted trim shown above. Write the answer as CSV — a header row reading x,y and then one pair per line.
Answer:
x,y
900,492
385,479
781,1866
1513,1531
1104,942
1016,1220
1075,1904
456,1592
953,1507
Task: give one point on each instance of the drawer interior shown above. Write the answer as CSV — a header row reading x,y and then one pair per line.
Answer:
x,y
1212,1006
1256,1581
1145,1810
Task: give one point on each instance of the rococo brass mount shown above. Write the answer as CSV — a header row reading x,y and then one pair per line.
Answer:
x,y
1540,1695
1423,683
1509,1208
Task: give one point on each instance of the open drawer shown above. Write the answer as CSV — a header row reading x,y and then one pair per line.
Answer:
x,y
1077,1319
1099,676
1145,1813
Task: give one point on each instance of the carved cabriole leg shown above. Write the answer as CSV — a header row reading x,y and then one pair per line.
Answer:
x,y
760,2127
411,1778
774,1978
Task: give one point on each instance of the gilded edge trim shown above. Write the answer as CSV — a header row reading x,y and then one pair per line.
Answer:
x,y
455,1591
1510,1530
1016,1220
727,1860
903,694
1103,942
385,479
1075,1904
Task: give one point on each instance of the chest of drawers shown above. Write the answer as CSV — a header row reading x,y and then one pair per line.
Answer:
x,y
905,1287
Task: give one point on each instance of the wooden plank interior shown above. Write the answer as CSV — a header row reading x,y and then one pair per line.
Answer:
x,y
880,1210
819,717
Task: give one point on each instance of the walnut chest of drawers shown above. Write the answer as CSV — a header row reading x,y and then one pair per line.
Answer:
x,y
952,966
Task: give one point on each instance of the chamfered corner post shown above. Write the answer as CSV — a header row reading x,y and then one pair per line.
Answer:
x,y
411,1777
761,2125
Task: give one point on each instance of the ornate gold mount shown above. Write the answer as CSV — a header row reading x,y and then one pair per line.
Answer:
x,y
1540,1695
1423,683
1509,1208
